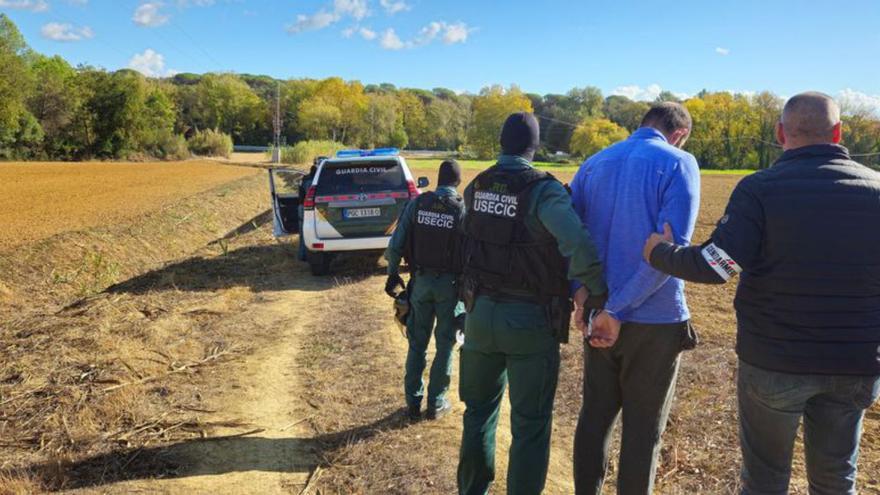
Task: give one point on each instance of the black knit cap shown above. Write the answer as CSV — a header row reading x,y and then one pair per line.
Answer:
x,y
450,174
521,135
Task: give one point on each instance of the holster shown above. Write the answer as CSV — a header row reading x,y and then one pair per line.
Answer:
x,y
559,315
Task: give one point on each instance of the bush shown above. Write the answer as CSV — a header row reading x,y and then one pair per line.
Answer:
x,y
162,145
304,152
210,143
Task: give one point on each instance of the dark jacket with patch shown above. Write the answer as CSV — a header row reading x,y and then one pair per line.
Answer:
x,y
806,234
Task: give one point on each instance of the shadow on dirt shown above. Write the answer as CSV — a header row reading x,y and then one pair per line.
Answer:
x,y
269,267
211,457
247,227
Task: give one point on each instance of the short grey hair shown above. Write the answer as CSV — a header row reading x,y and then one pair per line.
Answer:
x,y
810,115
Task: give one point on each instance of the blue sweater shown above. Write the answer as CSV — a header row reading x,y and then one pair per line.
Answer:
x,y
624,193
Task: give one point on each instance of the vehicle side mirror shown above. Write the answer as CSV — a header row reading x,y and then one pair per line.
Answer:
x,y
424,182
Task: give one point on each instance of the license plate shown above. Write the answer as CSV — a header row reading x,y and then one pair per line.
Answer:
x,y
362,212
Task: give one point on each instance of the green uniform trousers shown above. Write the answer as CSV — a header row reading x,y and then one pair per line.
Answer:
x,y
434,296
507,342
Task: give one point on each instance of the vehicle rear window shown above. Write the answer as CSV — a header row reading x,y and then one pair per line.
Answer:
x,y
355,177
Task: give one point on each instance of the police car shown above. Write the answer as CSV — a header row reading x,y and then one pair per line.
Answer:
x,y
352,205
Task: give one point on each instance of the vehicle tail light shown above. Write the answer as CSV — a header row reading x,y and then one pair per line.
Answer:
x,y
318,245
309,202
413,190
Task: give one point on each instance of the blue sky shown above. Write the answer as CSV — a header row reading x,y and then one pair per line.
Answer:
x,y
626,47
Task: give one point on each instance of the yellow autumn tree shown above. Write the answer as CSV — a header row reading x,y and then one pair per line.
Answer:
x,y
594,134
490,109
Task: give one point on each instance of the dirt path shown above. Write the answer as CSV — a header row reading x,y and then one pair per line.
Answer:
x,y
269,461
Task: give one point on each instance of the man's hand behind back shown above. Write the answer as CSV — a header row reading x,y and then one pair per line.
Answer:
x,y
606,330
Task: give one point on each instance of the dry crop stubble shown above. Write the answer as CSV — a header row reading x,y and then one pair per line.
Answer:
x,y
38,200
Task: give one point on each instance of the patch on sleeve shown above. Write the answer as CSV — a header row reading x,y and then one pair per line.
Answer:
x,y
721,262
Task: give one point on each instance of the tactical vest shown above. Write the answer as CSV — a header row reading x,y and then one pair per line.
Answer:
x,y
499,252
435,233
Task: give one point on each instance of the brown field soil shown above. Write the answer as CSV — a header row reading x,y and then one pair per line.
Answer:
x,y
229,369
38,200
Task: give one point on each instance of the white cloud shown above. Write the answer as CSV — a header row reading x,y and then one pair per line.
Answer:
x,y
856,102
394,6
449,33
66,32
456,33
428,34
313,22
638,93
31,5
150,63
722,51
390,41
150,14
356,9
367,34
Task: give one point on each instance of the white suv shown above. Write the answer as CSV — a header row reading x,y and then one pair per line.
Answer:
x,y
352,205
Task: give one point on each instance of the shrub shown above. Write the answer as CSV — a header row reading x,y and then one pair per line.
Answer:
x,y
211,143
304,152
162,145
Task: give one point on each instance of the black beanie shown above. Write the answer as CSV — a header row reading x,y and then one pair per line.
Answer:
x,y
450,174
520,135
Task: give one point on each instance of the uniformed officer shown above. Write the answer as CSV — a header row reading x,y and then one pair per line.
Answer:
x,y
427,235
523,242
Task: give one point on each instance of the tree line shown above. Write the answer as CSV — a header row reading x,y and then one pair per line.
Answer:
x,y
51,110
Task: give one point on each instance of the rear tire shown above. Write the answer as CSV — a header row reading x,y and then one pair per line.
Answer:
x,y
319,263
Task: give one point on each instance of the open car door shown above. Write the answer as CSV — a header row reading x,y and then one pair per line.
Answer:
x,y
284,184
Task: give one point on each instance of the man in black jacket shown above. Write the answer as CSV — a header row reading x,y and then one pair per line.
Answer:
x,y
805,235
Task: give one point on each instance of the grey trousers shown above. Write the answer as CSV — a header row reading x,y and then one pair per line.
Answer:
x,y
636,377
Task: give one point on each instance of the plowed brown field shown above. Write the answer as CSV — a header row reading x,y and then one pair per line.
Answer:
x,y
38,200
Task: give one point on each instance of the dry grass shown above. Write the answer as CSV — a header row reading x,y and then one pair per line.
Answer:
x,y
38,200
376,451
119,368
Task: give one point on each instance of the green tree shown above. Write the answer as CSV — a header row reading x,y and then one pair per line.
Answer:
x,y
57,103
226,103
625,112
320,120
490,109
767,110
129,115
15,84
415,123
343,104
595,134
861,135
384,122
584,103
